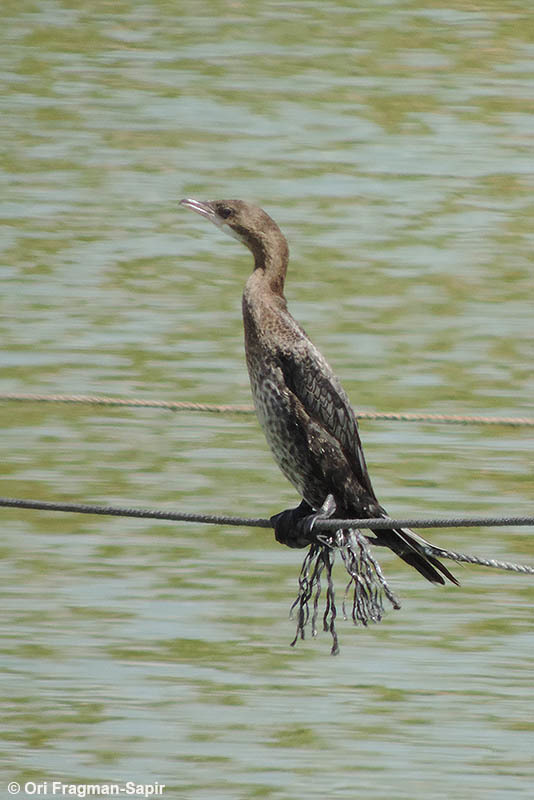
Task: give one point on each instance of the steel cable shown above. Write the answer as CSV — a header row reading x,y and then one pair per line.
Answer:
x,y
320,525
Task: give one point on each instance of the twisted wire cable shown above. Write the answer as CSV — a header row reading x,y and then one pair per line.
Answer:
x,y
320,525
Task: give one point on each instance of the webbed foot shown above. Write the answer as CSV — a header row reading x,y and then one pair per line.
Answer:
x,y
294,527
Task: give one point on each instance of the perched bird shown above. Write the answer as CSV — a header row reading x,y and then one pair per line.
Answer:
x,y
304,411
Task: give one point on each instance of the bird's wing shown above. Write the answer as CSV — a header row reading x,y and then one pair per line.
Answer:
x,y
311,381
309,377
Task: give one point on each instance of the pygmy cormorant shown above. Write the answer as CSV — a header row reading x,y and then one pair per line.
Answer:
x,y
304,411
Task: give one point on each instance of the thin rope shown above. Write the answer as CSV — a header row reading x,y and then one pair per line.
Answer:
x,y
439,552
320,525
86,399
174,405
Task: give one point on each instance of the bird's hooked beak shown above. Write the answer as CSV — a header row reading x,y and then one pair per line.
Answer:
x,y
208,209
205,209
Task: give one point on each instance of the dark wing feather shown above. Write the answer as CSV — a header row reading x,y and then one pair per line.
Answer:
x,y
309,377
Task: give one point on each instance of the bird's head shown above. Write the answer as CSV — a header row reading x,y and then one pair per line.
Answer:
x,y
245,222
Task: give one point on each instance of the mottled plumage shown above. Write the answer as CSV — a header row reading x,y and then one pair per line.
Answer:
x,y
305,414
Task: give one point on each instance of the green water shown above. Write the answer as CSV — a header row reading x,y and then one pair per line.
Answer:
x,y
393,143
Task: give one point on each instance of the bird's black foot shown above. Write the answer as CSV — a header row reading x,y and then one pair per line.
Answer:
x,y
294,527
288,525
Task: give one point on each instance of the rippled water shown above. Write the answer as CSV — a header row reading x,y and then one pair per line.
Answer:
x,y
393,142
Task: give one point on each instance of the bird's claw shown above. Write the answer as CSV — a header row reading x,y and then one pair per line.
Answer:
x,y
294,527
287,526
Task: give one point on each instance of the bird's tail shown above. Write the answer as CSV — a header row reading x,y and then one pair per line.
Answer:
x,y
411,548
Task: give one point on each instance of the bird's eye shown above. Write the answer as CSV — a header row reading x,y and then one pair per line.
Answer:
x,y
225,212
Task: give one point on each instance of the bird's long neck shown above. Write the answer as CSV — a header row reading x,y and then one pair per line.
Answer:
x,y
271,255
263,299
